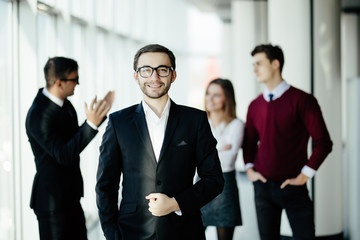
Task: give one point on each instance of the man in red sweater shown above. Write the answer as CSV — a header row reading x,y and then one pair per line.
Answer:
x,y
279,124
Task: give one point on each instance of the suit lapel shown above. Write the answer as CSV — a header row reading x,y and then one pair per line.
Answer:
x,y
65,113
170,128
140,123
70,110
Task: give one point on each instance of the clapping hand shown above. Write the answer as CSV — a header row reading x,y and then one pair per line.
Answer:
x,y
98,109
109,98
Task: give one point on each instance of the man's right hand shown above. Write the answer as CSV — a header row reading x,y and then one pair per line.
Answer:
x,y
254,175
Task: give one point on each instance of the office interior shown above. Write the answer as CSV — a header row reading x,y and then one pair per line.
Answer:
x,y
210,38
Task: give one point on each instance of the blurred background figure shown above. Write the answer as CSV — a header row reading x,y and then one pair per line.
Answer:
x,y
57,140
279,124
224,211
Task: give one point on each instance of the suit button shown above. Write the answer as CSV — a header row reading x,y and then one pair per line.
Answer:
x,y
158,182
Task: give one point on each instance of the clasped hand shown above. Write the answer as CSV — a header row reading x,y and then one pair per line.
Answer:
x,y
98,109
161,205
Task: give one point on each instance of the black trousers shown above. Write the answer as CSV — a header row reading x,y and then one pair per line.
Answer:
x,y
62,225
270,200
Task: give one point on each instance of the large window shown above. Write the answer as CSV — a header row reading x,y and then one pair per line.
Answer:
x,y
46,35
7,221
103,37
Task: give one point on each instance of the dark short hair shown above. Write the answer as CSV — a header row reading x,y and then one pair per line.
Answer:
x,y
230,103
272,53
57,68
154,48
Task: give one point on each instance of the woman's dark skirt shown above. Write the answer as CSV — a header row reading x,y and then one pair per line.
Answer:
x,y
224,210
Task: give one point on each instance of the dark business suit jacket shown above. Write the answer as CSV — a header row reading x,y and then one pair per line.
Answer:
x,y
56,141
126,150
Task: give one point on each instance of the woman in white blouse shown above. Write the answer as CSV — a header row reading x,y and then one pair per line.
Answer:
x,y
224,211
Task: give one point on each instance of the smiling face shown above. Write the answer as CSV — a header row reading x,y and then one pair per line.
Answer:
x,y
154,87
215,98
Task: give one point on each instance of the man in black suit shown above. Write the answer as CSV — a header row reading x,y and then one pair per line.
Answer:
x,y
56,141
156,146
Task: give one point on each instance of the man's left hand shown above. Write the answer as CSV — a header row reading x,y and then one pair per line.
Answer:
x,y
298,181
161,205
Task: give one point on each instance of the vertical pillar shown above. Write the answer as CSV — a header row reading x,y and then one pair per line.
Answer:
x,y
350,60
290,27
226,56
25,89
327,89
249,29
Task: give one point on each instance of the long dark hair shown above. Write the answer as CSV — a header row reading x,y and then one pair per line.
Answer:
x,y
230,103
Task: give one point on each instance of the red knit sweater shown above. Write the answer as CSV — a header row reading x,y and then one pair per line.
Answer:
x,y
277,135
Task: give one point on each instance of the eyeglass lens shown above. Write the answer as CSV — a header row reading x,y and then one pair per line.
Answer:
x,y
162,71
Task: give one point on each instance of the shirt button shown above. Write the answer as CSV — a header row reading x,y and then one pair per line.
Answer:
x,y
158,182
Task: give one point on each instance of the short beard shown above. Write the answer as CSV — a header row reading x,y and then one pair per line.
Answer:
x,y
166,90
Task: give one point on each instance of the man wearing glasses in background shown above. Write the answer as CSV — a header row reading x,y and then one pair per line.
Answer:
x,y
57,141
157,146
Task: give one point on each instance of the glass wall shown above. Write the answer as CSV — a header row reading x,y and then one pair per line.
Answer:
x,y
102,36
7,214
46,45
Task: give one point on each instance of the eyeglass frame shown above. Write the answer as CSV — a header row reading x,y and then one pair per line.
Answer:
x,y
75,80
155,69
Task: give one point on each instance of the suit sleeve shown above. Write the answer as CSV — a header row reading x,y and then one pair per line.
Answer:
x,y
40,129
211,181
108,179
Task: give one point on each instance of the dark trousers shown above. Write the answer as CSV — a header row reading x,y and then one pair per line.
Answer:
x,y
270,200
62,225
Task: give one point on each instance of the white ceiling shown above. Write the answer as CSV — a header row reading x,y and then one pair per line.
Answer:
x,y
220,7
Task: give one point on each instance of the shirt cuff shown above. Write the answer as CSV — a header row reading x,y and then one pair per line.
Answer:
x,y
308,171
249,165
91,125
178,212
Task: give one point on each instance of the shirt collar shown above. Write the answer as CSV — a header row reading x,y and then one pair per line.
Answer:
x,y
277,92
148,110
53,98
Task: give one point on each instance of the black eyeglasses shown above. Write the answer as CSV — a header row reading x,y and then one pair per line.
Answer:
x,y
147,71
75,80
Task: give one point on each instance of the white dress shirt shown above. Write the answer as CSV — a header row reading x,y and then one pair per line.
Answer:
x,y
231,134
156,126
53,98
277,92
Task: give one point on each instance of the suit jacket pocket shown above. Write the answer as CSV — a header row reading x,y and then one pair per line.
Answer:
x,y
126,208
